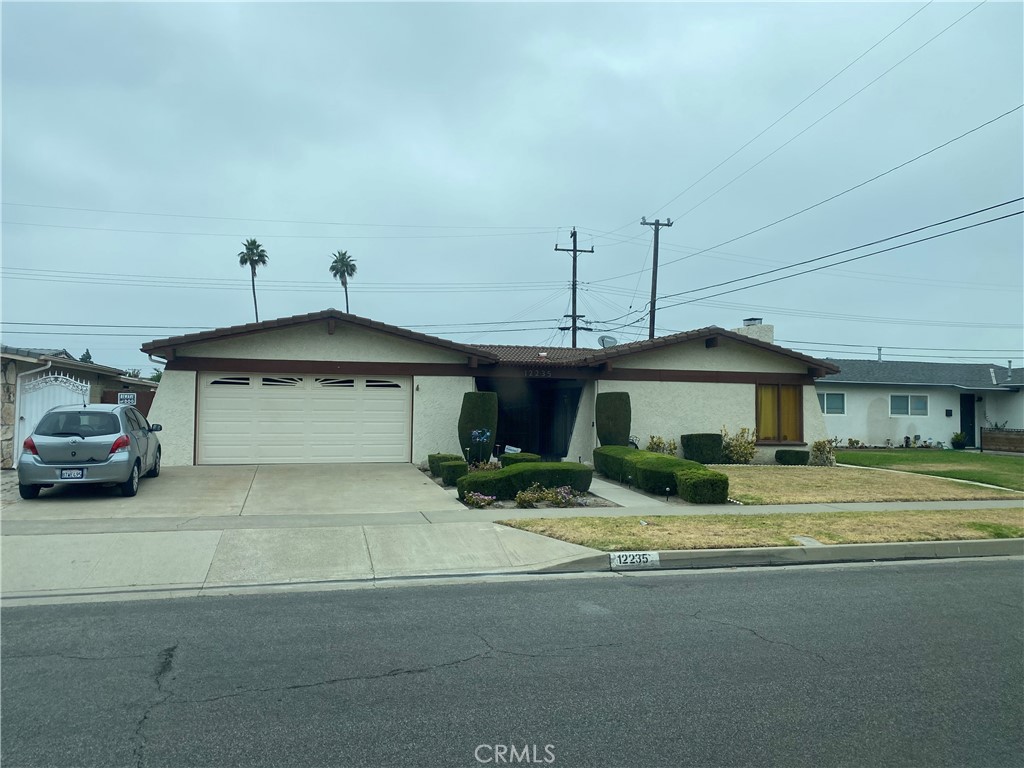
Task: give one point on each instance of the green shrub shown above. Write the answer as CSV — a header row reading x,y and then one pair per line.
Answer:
x,y
435,460
658,444
506,483
792,457
508,459
823,452
702,486
478,425
613,416
451,471
702,447
739,448
615,461
656,473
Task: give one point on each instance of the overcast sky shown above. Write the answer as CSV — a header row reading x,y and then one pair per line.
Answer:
x,y
449,147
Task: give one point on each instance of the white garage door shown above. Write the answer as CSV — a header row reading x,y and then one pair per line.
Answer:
x,y
276,419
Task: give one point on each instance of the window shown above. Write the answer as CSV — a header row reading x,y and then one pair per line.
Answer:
x,y
779,413
832,402
908,405
329,382
281,381
231,381
382,384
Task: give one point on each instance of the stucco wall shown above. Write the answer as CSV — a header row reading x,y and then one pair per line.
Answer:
x,y
1004,407
584,433
174,408
867,414
729,355
312,342
437,402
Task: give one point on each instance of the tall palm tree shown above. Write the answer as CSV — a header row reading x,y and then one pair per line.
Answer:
x,y
253,256
342,268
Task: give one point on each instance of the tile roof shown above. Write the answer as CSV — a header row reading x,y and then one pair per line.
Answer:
x,y
959,375
513,354
29,352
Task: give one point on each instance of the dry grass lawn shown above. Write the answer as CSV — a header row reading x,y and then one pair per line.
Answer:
x,y
829,485
728,531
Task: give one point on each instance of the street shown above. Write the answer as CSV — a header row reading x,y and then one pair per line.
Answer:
x,y
899,664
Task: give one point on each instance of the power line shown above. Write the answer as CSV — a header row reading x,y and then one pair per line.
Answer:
x,y
263,221
840,104
893,346
265,236
210,327
714,248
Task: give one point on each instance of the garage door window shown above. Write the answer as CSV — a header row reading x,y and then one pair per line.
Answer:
x,y
231,381
286,381
382,384
343,383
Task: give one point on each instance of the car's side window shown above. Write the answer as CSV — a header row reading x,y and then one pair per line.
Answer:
x,y
142,420
133,422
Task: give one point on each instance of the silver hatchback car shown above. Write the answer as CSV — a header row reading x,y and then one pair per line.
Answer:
x,y
89,444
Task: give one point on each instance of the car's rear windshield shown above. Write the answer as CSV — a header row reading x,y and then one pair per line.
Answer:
x,y
82,423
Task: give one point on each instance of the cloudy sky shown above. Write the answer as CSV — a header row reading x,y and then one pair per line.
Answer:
x,y
449,147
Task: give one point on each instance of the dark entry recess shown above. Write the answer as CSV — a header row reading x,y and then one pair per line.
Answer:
x,y
536,415
967,418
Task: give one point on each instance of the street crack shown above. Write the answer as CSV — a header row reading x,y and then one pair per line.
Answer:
x,y
164,666
759,636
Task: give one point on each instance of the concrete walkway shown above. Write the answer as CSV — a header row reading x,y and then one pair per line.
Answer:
x,y
206,530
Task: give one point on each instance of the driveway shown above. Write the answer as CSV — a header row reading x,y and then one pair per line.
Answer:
x,y
280,489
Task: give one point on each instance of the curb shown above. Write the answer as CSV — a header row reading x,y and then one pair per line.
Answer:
x,y
775,556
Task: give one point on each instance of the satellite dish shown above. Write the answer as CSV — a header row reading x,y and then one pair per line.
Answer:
x,y
607,341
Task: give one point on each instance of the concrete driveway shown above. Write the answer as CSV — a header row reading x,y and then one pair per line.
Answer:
x,y
282,489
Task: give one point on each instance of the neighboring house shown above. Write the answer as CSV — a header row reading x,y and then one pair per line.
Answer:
x,y
875,401
35,380
334,387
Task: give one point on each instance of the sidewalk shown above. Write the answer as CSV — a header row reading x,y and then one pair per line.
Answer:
x,y
65,560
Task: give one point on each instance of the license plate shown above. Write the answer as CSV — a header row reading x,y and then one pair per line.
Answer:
x,y
72,474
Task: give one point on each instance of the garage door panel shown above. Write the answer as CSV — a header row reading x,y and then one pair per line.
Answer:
x,y
246,418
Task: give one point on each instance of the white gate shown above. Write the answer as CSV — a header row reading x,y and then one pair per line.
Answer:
x,y
39,395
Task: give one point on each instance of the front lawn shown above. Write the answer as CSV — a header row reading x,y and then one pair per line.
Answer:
x,y
1004,471
612,534
832,485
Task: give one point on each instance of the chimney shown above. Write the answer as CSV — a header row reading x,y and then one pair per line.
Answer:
x,y
879,354
1009,370
755,328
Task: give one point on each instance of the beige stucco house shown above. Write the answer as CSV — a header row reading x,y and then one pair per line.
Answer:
x,y
334,387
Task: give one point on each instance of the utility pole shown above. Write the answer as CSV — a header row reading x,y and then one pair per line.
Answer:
x,y
657,224
574,251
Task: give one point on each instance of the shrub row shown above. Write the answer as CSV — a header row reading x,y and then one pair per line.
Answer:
x,y
792,457
702,486
435,460
653,472
451,471
508,459
507,482
704,448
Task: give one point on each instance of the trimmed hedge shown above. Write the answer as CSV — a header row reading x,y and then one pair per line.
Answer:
x,y
479,411
702,486
505,483
792,457
435,460
508,459
653,472
702,447
613,416
451,471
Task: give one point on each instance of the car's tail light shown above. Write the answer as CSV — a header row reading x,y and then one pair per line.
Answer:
x,y
29,446
120,445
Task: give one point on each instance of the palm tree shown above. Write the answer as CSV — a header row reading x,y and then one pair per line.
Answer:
x,y
342,268
253,256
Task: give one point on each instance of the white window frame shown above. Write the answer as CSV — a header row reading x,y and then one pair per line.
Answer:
x,y
910,405
823,403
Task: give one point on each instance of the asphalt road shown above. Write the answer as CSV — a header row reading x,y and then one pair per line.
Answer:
x,y
909,664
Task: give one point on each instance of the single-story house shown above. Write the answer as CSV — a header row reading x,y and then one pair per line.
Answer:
x,y
333,387
885,401
34,380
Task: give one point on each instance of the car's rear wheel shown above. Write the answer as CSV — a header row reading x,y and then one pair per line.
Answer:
x,y
28,491
155,471
131,486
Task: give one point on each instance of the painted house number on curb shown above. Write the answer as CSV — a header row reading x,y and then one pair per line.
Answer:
x,y
628,560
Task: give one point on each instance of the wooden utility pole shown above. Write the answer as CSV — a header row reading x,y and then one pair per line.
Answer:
x,y
657,224
574,251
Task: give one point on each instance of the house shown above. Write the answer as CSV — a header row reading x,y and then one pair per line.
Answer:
x,y
34,380
885,401
335,387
